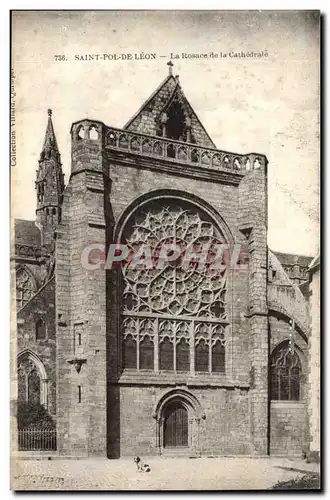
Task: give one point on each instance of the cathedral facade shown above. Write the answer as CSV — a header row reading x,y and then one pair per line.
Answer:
x,y
132,360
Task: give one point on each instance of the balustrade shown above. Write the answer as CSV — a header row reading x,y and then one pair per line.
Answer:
x,y
182,152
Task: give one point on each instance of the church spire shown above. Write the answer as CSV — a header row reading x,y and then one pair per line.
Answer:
x,y
49,185
50,146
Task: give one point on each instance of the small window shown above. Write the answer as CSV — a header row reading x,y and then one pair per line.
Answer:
x,y
78,330
80,133
40,329
93,133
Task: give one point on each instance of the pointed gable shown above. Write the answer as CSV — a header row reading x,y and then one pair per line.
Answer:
x,y
166,106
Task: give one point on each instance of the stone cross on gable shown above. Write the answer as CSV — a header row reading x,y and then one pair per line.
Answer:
x,y
170,67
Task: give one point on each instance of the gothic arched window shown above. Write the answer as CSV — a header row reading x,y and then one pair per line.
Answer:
x,y
93,133
285,373
80,133
25,287
173,310
31,379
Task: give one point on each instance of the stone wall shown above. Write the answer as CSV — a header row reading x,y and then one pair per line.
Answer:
x,y
287,428
288,419
252,220
314,356
81,308
224,428
41,306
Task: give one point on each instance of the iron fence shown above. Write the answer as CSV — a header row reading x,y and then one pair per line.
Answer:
x,y
36,439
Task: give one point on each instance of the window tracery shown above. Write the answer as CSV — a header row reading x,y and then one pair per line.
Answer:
x,y
178,310
285,373
25,288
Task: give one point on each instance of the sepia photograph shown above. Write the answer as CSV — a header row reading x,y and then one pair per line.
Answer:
x,y
165,250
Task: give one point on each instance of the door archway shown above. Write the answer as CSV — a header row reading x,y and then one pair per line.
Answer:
x,y
178,416
175,425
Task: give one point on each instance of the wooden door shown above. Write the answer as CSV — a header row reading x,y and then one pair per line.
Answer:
x,y
175,426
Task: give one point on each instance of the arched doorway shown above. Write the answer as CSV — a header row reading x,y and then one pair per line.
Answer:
x,y
178,416
175,426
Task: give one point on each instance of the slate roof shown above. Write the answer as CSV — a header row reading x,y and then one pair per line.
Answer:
x,y
289,259
50,138
27,232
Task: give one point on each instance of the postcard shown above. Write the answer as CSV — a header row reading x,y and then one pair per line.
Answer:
x,y
165,253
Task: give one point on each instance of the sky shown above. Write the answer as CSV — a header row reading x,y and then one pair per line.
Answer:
x,y
268,105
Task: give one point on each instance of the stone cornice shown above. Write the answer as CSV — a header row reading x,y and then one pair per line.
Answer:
x,y
172,167
173,379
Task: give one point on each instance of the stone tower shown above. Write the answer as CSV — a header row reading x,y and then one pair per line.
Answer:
x,y
49,187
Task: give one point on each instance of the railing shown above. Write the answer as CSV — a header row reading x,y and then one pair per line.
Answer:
x,y
184,152
36,439
30,251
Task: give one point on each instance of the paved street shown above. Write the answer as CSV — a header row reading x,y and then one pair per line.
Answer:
x,y
166,474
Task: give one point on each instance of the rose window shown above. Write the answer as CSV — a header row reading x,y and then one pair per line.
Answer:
x,y
181,295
